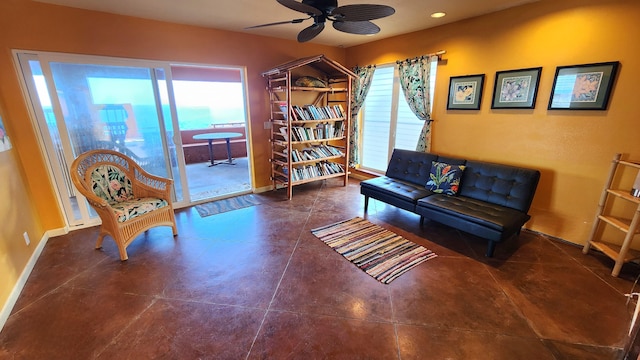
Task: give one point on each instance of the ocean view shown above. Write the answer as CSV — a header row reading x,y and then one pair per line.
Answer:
x,y
191,118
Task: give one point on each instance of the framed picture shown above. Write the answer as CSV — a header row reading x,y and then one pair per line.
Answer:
x,y
516,89
5,144
465,92
583,87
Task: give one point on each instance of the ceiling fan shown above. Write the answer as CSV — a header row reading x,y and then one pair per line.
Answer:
x,y
352,19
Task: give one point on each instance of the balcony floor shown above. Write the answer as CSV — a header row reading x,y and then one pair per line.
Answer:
x,y
217,181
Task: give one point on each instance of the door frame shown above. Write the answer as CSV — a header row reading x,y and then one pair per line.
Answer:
x,y
45,143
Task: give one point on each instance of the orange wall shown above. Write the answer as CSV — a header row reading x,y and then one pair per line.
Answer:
x,y
18,216
572,149
28,25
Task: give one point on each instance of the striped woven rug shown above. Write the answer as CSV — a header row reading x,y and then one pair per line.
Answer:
x,y
379,252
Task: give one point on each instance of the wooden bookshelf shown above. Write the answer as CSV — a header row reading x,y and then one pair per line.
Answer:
x,y
319,126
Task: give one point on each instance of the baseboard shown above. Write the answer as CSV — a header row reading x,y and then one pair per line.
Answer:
x,y
263,189
57,232
359,176
22,280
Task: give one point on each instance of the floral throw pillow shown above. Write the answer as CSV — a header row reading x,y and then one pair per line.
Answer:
x,y
444,178
111,184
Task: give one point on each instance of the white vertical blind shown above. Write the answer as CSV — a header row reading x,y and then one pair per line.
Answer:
x,y
377,119
382,126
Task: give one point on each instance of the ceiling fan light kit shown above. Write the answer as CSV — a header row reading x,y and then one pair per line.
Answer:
x,y
352,19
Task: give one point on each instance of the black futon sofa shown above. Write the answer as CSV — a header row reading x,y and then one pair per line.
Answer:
x,y
492,200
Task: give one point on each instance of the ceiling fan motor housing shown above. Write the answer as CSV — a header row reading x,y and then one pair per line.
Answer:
x,y
326,6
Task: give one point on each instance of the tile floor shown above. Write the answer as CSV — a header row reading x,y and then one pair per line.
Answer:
x,y
215,181
255,284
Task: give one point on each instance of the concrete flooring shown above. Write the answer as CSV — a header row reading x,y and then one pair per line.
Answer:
x,y
254,283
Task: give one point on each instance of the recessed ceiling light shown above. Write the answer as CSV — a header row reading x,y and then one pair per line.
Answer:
x,y
437,15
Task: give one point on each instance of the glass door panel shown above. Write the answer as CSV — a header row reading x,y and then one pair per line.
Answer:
x,y
87,106
211,100
168,114
45,109
111,107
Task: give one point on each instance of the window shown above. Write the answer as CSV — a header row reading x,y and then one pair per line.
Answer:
x,y
388,122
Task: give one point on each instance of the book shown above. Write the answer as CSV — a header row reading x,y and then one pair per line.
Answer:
x,y
282,105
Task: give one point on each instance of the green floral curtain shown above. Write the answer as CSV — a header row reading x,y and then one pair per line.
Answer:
x,y
414,79
359,89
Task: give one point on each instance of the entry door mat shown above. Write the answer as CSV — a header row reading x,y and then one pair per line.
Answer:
x,y
379,252
229,204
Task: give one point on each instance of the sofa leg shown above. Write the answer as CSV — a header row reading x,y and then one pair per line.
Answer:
x,y
421,220
490,248
366,203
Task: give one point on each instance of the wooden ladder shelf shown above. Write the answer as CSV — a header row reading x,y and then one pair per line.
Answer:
x,y
619,253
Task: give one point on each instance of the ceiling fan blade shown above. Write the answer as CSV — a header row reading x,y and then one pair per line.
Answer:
x,y
297,6
362,12
357,27
294,21
310,32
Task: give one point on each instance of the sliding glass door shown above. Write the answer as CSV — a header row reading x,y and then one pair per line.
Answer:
x,y
87,106
138,108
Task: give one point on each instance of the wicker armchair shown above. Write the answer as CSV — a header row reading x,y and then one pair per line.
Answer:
x,y
128,199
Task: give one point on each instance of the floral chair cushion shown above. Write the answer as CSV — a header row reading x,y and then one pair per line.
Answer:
x,y
111,184
126,210
444,178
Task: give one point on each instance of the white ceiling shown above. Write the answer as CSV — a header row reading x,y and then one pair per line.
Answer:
x,y
235,15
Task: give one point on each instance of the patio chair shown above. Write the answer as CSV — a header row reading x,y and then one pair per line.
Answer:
x,y
128,199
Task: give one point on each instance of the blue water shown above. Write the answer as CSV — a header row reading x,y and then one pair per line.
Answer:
x,y
201,117
191,118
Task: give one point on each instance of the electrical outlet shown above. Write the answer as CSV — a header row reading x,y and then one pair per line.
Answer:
x,y
26,238
267,125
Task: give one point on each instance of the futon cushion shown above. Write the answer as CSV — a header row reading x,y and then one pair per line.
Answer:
x,y
444,178
396,188
410,166
499,184
111,184
126,210
493,216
